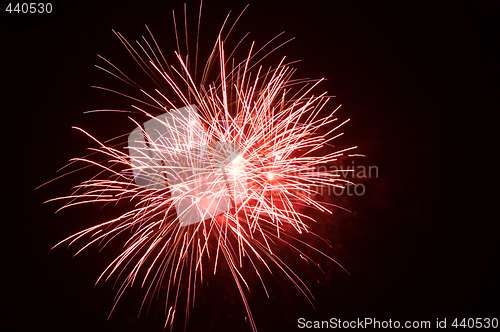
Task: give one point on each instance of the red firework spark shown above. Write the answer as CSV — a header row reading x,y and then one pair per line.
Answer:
x,y
275,124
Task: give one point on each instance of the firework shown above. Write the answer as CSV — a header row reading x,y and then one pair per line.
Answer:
x,y
218,173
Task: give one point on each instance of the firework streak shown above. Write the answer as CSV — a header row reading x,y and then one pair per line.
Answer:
x,y
219,173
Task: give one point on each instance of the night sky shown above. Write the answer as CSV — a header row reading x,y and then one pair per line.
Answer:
x,y
415,80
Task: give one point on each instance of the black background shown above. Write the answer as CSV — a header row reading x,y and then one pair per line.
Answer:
x,y
415,79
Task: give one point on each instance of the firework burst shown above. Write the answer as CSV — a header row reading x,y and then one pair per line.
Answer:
x,y
219,174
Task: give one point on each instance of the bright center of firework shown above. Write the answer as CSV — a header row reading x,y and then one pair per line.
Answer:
x,y
270,176
236,167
